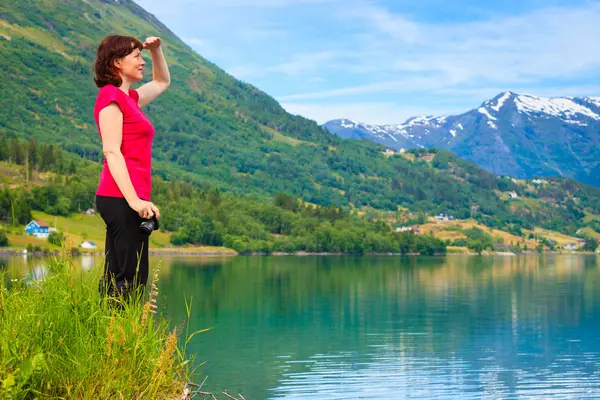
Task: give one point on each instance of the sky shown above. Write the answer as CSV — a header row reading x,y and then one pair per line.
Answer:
x,y
383,61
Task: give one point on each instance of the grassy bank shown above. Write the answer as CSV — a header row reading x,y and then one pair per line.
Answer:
x,y
81,227
58,340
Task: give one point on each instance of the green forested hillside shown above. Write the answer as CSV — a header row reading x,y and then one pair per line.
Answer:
x,y
215,131
196,216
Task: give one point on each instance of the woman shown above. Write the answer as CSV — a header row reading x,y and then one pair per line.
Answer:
x,y
123,195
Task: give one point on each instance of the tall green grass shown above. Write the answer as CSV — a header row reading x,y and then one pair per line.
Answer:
x,y
58,340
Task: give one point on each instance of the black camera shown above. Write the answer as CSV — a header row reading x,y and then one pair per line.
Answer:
x,y
149,225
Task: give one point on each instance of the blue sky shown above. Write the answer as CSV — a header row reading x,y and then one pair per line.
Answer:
x,y
385,61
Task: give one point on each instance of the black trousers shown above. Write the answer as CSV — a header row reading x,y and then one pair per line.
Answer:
x,y
126,262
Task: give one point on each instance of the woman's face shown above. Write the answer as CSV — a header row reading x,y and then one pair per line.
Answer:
x,y
132,66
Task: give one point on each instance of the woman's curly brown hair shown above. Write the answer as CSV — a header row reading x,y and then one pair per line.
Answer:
x,y
111,48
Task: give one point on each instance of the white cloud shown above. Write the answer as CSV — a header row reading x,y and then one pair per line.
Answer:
x,y
195,42
371,112
484,93
545,43
297,65
189,5
270,3
400,85
308,62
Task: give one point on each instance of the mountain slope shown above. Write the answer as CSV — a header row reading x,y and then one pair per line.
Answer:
x,y
206,119
512,134
216,131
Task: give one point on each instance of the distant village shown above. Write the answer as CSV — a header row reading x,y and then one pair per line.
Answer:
x,y
42,230
443,217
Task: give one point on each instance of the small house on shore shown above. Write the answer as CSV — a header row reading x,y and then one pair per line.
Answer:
x,y
88,245
37,228
444,217
571,246
410,229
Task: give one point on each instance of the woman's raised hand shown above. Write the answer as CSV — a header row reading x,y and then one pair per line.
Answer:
x,y
152,43
145,209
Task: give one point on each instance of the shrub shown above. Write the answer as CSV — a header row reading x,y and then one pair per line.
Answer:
x,y
56,238
3,239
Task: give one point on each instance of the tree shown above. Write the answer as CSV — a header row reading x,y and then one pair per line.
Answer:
x,y
56,238
198,231
3,148
3,239
590,245
476,245
516,248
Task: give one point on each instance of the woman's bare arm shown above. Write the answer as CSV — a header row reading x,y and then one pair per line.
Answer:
x,y
161,78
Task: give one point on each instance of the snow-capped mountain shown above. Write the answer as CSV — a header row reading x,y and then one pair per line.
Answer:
x,y
512,134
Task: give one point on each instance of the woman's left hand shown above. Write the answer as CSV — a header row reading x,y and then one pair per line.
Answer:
x,y
152,43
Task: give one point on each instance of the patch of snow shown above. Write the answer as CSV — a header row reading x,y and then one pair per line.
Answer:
x,y
485,112
348,123
560,107
594,100
418,121
492,125
459,126
574,122
453,132
501,101
421,121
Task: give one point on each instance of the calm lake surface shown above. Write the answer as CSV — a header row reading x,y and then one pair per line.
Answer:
x,y
453,327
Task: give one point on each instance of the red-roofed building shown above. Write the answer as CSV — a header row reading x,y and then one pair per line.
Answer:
x,y
37,228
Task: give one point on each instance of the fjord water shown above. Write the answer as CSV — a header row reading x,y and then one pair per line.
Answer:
x,y
390,327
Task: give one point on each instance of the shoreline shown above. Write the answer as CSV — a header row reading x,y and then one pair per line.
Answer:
x,y
181,252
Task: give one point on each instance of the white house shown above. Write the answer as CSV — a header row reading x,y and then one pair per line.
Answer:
x,y
570,246
412,229
88,245
513,195
444,217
